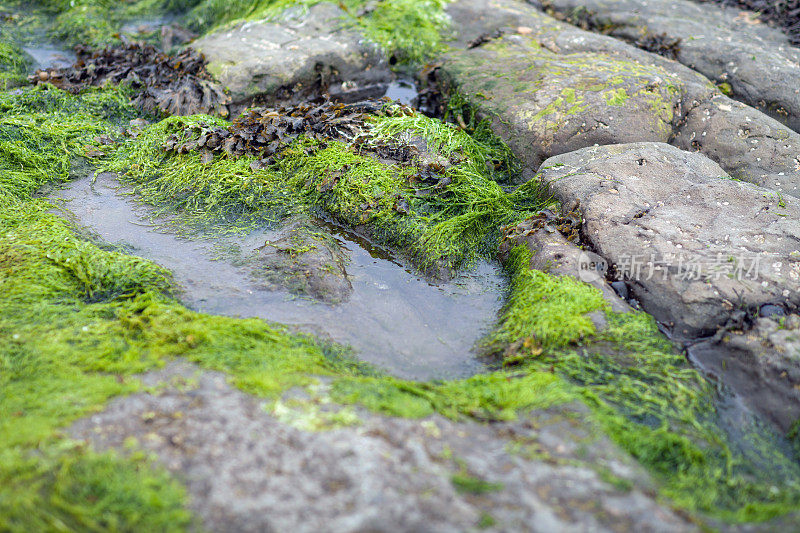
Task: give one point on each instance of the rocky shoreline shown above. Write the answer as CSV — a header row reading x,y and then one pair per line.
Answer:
x,y
633,164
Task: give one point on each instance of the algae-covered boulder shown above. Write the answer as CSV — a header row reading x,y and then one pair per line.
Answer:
x,y
726,45
694,245
545,104
296,55
685,108
307,262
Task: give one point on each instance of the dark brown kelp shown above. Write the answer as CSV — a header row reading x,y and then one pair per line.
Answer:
x,y
266,132
173,84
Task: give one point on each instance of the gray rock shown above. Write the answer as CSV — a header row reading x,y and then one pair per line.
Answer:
x,y
762,365
724,44
543,103
248,471
554,254
685,107
306,262
294,56
694,245
746,144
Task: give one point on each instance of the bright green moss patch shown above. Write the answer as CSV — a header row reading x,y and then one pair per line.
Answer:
x,y
66,488
467,484
495,396
14,63
544,312
442,224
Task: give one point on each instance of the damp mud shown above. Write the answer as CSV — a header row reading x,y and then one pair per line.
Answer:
x,y
394,319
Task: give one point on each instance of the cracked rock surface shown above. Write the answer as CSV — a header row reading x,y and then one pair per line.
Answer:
x,y
695,244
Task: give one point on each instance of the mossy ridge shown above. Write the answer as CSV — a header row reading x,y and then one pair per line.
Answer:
x,y
441,230
646,397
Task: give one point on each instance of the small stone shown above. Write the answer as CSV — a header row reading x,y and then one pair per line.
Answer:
x,y
620,288
770,310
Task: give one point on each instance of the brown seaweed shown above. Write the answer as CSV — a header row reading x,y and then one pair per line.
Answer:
x,y
266,132
173,84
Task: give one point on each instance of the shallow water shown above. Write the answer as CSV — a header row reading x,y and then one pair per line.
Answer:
x,y
49,56
394,318
402,90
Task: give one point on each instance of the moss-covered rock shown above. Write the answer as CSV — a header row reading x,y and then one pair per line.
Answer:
x,y
544,103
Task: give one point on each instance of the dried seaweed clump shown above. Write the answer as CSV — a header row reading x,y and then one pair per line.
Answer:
x,y
266,132
176,85
568,224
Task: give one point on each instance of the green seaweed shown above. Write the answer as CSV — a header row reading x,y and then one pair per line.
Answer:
x,y
79,320
646,396
14,62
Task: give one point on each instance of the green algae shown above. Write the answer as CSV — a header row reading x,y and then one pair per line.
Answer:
x,y
67,488
78,320
411,30
468,484
544,312
646,397
14,63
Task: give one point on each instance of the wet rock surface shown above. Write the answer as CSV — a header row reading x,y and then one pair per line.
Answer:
x,y
546,103
669,102
306,262
761,363
248,471
695,245
294,56
726,45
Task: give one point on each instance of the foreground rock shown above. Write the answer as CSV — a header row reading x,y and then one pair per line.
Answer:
x,y
726,45
248,471
761,364
306,262
550,88
294,56
694,245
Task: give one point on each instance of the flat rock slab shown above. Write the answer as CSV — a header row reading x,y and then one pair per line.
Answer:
x,y
550,88
248,471
694,245
724,44
293,56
